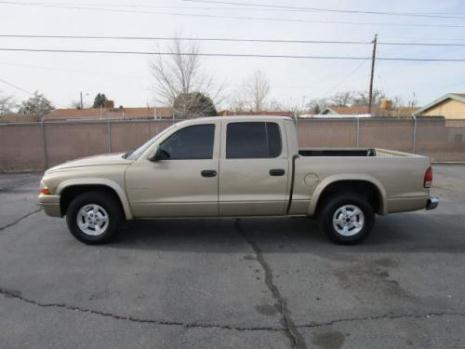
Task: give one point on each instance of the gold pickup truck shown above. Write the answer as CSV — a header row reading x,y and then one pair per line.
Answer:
x,y
232,167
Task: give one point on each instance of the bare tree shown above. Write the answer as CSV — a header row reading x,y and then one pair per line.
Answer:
x,y
7,105
276,105
36,105
257,89
252,93
179,78
316,105
359,98
412,102
238,104
362,97
397,102
342,99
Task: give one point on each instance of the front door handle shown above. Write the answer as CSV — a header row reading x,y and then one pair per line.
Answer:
x,y
208,173
277,172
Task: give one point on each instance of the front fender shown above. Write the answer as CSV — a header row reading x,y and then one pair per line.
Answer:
x,y
347,177
99,181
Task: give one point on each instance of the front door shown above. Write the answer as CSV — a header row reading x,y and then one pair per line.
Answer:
x,y
185,184
254,169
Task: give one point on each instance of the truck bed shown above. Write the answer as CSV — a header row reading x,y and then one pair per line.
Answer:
x,y
399,175
337,152
353,152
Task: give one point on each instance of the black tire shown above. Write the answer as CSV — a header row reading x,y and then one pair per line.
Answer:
x,y
110,206
349,200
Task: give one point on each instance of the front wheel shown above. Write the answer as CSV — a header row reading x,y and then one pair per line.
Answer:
x,y
93,217
347,218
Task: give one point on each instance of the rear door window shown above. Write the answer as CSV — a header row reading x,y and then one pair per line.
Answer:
x,y
253,140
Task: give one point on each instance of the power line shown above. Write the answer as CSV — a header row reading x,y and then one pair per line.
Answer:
x,y
168,38
239,55
239,7
438,44
16,87
80,71
33,36
318,9
351,73
247,18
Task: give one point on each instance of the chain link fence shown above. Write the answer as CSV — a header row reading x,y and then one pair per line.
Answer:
x,y
37,146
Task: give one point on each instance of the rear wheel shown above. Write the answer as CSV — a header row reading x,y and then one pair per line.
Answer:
x,y
93,217
347,218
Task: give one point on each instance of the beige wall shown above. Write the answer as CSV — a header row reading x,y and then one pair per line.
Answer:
x,y
22,146
450,109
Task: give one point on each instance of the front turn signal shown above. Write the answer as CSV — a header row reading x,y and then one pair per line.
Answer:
x,y
44,191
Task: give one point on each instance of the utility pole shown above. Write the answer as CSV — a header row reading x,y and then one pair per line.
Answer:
x,y
373,60
81,104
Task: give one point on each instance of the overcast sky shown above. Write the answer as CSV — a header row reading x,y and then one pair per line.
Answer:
x,y
127,80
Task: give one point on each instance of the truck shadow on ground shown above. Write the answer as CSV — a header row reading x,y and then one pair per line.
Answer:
x,y
409,233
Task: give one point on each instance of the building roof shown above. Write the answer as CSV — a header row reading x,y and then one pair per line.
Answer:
x,y
405,110
354,110
257,113
341,116
357,110
109,113
18,118
460,97
238,118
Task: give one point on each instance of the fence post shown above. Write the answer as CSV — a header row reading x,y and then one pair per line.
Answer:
x,y
414,136
358,132
296,123
109,135
44,143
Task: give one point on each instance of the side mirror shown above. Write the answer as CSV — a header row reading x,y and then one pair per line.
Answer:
x,y
160,154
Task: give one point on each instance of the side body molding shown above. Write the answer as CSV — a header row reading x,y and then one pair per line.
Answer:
x,y
100,181
347,177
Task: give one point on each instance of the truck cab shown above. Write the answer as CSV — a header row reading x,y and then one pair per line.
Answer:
x,y
215,167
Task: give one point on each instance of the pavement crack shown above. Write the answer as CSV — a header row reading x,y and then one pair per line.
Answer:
x,y
290,329
17,295
9,225
389,316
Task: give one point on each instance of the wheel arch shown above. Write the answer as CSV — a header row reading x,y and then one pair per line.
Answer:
x,y
352,183
70,188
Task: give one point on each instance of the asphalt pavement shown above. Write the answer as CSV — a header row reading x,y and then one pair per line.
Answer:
x,y
227,283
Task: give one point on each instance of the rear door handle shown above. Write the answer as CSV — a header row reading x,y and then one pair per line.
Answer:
x,y
208,173
277,172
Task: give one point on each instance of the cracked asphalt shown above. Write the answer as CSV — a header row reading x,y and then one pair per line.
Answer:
x,y
225,283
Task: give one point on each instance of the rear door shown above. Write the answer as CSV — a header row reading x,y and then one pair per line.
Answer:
x,y
253,169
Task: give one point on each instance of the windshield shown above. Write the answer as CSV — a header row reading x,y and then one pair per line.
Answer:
x,y
135,153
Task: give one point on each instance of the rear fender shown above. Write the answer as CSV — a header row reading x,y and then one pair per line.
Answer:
x,y
347,177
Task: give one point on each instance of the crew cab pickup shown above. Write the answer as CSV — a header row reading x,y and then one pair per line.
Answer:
x,y
233,167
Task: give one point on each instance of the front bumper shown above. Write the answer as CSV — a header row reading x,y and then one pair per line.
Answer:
x,y
50,204
432,203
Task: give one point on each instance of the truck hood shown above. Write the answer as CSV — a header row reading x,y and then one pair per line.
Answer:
x,y
97,160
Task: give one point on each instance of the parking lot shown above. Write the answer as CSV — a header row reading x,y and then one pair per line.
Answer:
x,y
226,283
